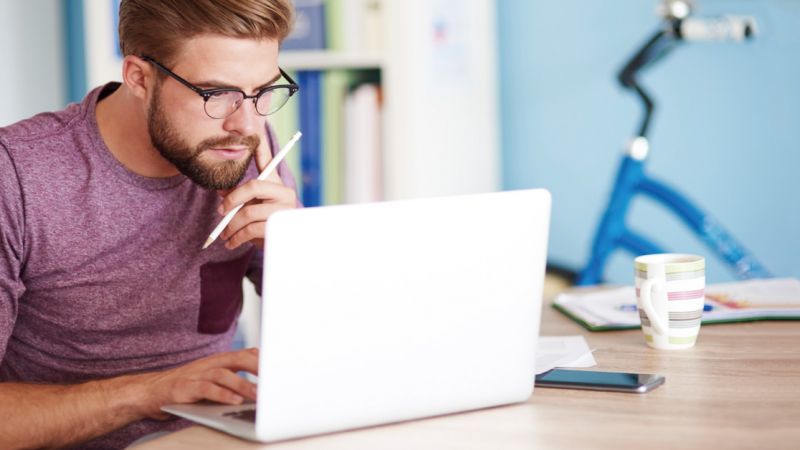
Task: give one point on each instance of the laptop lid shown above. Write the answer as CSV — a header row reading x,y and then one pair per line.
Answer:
x,y
391,311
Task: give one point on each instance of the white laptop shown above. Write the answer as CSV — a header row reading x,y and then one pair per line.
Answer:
x,y
385,312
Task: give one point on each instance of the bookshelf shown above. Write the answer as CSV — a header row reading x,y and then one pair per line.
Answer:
x,y
436,62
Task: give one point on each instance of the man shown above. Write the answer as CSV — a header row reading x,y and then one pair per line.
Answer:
x,y
109,308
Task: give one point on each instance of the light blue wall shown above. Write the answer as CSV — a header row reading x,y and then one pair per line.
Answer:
x,y
726,128
31,52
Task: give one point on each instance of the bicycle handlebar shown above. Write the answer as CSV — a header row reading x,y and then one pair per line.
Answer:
x,y
723,28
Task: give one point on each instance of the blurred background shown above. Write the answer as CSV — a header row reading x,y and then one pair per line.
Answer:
x,y
413,98
724,129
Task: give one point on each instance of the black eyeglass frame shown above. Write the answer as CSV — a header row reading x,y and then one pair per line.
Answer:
x,y
206,94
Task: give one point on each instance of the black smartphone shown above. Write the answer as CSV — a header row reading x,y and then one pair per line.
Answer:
x,y
600,381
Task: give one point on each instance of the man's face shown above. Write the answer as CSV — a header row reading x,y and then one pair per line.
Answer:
x,y
213,153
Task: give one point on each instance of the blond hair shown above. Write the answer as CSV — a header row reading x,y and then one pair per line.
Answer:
x,y
156,28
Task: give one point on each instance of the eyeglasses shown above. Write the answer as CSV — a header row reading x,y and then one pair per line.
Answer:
x,y
220,103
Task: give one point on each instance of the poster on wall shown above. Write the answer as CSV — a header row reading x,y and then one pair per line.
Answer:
x,y
93,45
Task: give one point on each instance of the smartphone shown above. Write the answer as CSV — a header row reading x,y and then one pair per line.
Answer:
x,y
600,381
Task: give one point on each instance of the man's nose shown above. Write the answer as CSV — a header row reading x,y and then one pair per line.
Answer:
x,y
244,120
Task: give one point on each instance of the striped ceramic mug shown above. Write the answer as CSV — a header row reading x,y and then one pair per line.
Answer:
x,y
670,292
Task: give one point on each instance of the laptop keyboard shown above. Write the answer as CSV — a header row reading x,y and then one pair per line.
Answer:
x,y
248,415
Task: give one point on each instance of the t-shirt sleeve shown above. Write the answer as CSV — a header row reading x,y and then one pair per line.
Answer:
x,y
11,247
254,272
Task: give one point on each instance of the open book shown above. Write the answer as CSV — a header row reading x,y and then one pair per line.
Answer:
x,y
614,308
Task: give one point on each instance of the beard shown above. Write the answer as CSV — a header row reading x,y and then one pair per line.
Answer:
x,y
221,175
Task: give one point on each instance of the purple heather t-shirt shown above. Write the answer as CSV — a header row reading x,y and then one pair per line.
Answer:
x,y
101,269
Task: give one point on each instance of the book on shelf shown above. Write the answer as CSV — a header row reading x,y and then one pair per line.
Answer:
x,y
362,158
308,32
355,26
614,307
310,112
334,90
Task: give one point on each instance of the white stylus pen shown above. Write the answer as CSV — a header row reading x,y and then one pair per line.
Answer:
x,y
262,176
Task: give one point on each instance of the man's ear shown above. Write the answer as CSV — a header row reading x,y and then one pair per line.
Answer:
x,y
138,75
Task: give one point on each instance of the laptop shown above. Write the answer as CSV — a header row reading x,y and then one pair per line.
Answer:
x,y
386,312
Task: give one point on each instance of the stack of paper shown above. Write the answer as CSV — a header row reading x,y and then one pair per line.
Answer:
x,y
615,308
562,351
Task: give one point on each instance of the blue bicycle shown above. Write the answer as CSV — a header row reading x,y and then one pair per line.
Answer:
x,y
631,180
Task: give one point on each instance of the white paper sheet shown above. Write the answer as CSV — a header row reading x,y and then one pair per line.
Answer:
x,y
563,351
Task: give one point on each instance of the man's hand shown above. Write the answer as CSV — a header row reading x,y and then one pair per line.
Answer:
x,y
211,378
260,199
42,415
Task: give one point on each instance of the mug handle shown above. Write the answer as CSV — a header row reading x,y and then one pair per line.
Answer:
x,y
660,324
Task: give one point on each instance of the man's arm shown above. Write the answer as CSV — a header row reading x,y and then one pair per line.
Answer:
x,y
36,415
52,416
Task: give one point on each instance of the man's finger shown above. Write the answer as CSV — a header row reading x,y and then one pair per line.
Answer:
x,y
210,391
233,382
246,360
275,178
256,189
263,154
252,213
252,232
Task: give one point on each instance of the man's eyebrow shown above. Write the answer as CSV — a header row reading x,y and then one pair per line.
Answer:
x,y
271,82
216,84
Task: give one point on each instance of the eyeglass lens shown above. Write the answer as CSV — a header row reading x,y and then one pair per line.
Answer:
x,y
223,104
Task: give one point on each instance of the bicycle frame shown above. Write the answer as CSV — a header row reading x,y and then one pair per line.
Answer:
x,y
613,233
631,180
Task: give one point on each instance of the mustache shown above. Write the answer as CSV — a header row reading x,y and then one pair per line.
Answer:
x,y
251,142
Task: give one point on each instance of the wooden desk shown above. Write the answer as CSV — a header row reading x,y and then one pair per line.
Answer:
x,y
738,388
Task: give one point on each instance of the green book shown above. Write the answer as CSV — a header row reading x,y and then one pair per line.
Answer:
x,y
334,90
334,15
334,87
